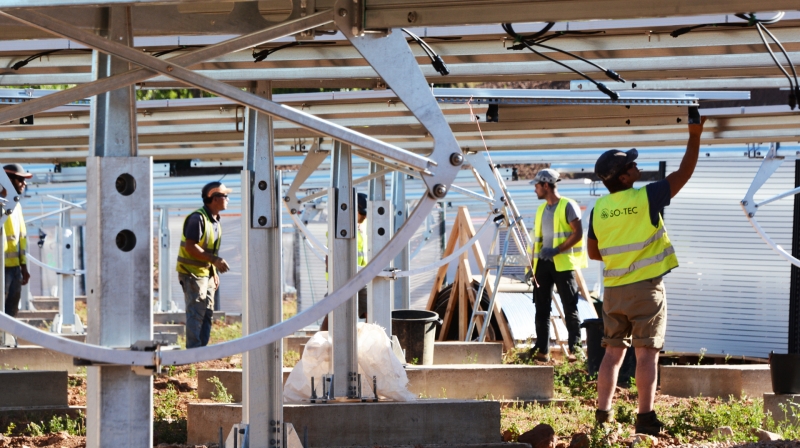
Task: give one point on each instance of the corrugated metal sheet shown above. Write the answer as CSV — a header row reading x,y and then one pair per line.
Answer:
x,y
520,312
731,291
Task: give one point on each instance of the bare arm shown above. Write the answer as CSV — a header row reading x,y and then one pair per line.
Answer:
x,y
594,251
680,177
577,234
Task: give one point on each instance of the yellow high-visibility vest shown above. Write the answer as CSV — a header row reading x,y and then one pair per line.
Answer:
x,y
361,243
570,259
187,264
15,245
632,249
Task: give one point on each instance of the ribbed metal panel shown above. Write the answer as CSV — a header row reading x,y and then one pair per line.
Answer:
x,y
731,291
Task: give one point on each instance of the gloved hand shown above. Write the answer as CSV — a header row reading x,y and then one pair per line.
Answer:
x,y
548,253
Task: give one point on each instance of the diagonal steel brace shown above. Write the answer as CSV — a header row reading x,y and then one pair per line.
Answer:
x,y
186,60
172,70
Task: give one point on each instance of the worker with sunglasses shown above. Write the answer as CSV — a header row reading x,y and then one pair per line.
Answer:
x,y
16,241
627,233
199,263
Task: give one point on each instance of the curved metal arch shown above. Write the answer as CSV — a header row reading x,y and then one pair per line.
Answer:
x,y
750,207
382,52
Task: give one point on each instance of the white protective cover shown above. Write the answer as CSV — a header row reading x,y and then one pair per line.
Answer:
x,y
375,358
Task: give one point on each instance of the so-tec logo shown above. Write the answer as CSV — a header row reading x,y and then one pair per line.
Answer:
x,y
606,213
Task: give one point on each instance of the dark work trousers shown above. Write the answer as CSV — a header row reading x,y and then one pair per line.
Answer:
x,y
198,295
13,290
546,277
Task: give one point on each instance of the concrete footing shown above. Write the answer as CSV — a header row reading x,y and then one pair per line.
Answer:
x,y
424,422
482,381
295,343
465,381
35,358
178,317
723,381
781,407
32,389
456,352
179,329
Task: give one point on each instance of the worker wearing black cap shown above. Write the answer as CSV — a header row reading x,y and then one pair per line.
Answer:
x,y
199,263
627,233
16,242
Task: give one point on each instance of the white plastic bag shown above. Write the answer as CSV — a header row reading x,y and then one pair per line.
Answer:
x,y
375,358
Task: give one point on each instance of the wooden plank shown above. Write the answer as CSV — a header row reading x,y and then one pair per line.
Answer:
x,y
585,290
448,314
463,307
442,272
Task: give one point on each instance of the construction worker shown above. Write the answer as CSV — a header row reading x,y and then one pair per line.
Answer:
x,y
16,242
361,257
627,233
557,252
199,263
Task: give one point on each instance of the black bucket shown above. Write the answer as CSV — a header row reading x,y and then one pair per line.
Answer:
x,y
595,352
785,371
416,331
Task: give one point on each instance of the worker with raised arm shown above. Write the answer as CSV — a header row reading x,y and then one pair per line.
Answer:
x,y
627,233
199,263
16,242
557,252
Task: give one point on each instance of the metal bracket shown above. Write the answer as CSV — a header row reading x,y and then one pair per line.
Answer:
x,y
350,16
302,9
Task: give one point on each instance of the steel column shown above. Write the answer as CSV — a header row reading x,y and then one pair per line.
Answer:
x,y
164,272
119,243
402,290
342,246
66,300
380,294
262,386
794,286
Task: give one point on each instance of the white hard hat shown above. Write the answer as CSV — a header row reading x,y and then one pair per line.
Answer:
x,y
547,175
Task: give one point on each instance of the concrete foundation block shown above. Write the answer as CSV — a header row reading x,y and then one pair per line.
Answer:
x,y
36,315
35,358
424,422
179,329
32,389
782,407
178,317
482,381
231,318
45,303
456,352
230,378
722,381
295,343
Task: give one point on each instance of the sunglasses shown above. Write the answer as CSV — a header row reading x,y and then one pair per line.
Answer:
x,y
221,196
625,168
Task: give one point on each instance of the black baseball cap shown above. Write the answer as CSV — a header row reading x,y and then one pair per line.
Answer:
x,y
362,204
213,188
612,162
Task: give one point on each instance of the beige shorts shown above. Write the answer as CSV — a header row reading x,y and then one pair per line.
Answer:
x,y
635,314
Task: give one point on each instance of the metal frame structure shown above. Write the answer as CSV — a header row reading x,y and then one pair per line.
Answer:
x,y
120,179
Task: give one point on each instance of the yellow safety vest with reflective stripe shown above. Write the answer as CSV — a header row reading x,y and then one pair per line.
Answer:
x,y
570,259
187,264
632,249
16,244
361,242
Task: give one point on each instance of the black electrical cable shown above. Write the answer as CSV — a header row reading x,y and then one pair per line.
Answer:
x,y
436,60
259,56
524,41
751,21
182,47
793,95
19,64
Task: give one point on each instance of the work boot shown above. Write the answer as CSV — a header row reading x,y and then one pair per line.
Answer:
x,y
648,423
540,355
603,418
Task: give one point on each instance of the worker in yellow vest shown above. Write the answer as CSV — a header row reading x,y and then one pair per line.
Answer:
x,y
627,233
199,263
361,257
557,252
16,242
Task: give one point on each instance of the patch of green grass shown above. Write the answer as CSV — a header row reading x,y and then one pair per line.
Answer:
x,y
166,404
290,358
73,427
220,393
221,332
